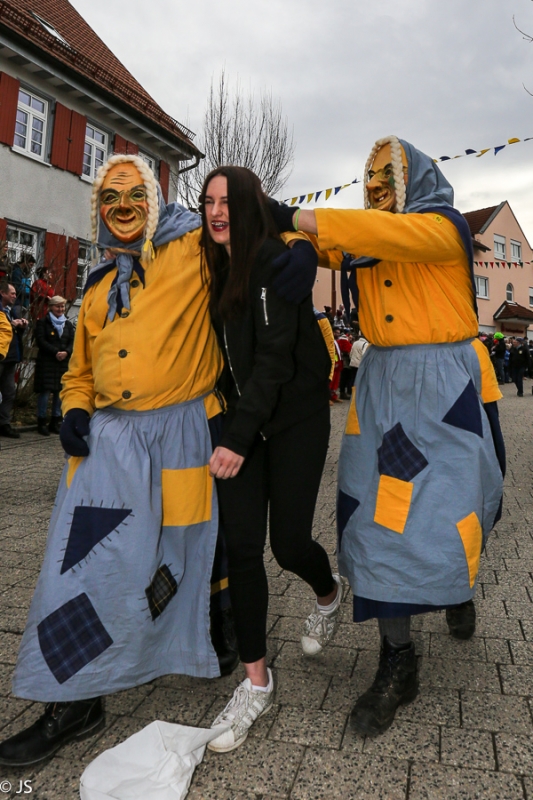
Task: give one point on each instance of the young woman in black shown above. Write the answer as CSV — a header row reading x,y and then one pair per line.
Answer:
x,y
275,437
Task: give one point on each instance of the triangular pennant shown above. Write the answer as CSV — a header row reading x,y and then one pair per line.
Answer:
x,y
497,149
470,152
302,198
337,189
317,195
294,199
512,141
328,193
356,180
310,197
90,524
444,158
486,263
482,152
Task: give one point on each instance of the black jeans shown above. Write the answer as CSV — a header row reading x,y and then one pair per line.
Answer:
x,y
518,378
280,478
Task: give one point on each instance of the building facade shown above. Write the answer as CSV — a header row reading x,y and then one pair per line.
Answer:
x,y
66,104
503,271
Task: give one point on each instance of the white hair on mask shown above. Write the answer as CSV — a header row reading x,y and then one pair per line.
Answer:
x,y
397,170
151,186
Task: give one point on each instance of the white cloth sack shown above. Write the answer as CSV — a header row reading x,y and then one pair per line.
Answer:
x,y
157,763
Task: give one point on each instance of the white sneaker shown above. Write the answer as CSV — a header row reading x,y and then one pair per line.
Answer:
x,y
319,627
243,709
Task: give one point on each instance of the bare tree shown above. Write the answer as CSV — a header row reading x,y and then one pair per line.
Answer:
x,y
529,39
240,130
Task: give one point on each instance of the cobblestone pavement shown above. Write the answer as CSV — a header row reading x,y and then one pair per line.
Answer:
x,y
467,735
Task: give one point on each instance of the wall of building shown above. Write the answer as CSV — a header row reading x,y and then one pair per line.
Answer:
x,y
322,292
521,277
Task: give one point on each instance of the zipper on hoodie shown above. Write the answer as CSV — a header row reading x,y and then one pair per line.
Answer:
x,y
264,299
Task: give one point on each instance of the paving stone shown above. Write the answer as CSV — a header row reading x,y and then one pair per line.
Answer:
x,y
498,651
9,647
448,647
495,712
347,775
266,767
515,753
510,592
436,782
309,727
498,628
58,780
467,748
342,693
403,740
332,659
294,688
185,707
440,706
465,675
522,652
517,680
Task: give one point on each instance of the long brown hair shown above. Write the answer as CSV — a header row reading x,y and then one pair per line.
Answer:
x,y
250,224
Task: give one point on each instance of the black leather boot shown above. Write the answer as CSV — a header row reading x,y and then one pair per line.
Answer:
x,y
224,640
60,723
55,424
462,620
395,684
42,428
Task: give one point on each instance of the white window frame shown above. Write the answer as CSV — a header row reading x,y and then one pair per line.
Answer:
x,y
509,291
32,115
482,283
84,264
500,253
531,295
150,160
91,148
516,246
16,249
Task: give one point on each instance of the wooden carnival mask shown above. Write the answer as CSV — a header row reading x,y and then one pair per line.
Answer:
x,y
381,185
123,203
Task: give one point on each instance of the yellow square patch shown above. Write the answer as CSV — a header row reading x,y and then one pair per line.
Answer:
x,y
352,422
393,503
187,495
471,535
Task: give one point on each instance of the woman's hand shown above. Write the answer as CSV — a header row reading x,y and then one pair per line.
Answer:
x,y
61,355
224,463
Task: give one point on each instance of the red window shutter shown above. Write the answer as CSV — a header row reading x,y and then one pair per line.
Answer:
x,y
78,127
55,259
164,178
132,149
121,145
3,230
9,96
61,136
71,275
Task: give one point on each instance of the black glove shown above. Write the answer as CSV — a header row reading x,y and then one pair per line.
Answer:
x,y
74,427
281,214
297,275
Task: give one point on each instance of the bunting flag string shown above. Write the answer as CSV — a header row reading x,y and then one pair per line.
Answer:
x,y
310,197
503,264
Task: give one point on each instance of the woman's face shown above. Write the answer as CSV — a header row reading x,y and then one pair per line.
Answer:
x,y
58,310
216,210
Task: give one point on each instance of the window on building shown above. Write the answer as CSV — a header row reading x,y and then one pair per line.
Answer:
x,y
148,160
20,242
482,286
531,295
95,151
509,293
84,262
499,246
516,250
30,126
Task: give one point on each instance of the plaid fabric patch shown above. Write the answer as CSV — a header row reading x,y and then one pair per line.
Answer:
x,y
71,637
398,457
161,591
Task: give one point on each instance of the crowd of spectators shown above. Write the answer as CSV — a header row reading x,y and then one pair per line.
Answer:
x,y
512,357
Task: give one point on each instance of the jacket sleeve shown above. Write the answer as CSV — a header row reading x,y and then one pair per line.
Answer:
x,y
78,382
40,338
276,330
327,333
6,334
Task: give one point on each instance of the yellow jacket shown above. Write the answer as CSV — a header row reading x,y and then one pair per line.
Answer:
x,y
420,292
6,334
163,351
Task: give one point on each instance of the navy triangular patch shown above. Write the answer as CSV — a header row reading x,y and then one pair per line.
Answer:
x,y
90,524
346,505
466,412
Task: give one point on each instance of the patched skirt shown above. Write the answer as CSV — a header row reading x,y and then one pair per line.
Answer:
x,y
123,594
419,480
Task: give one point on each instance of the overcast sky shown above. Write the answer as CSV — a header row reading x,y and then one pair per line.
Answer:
x,y
446,76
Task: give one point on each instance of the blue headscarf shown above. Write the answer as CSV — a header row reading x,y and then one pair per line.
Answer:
x,y
174,221
427,192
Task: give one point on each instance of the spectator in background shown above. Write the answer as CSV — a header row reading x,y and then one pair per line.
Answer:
x,y
498,356
21,279
54,335
8,366
345,346
519,362
336,379
40,293
358,350
329,314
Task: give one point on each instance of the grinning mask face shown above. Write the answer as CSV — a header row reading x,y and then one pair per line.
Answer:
x,y
123,203
381,184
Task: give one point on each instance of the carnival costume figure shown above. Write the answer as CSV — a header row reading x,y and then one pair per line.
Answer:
x,y
124,594
422,460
